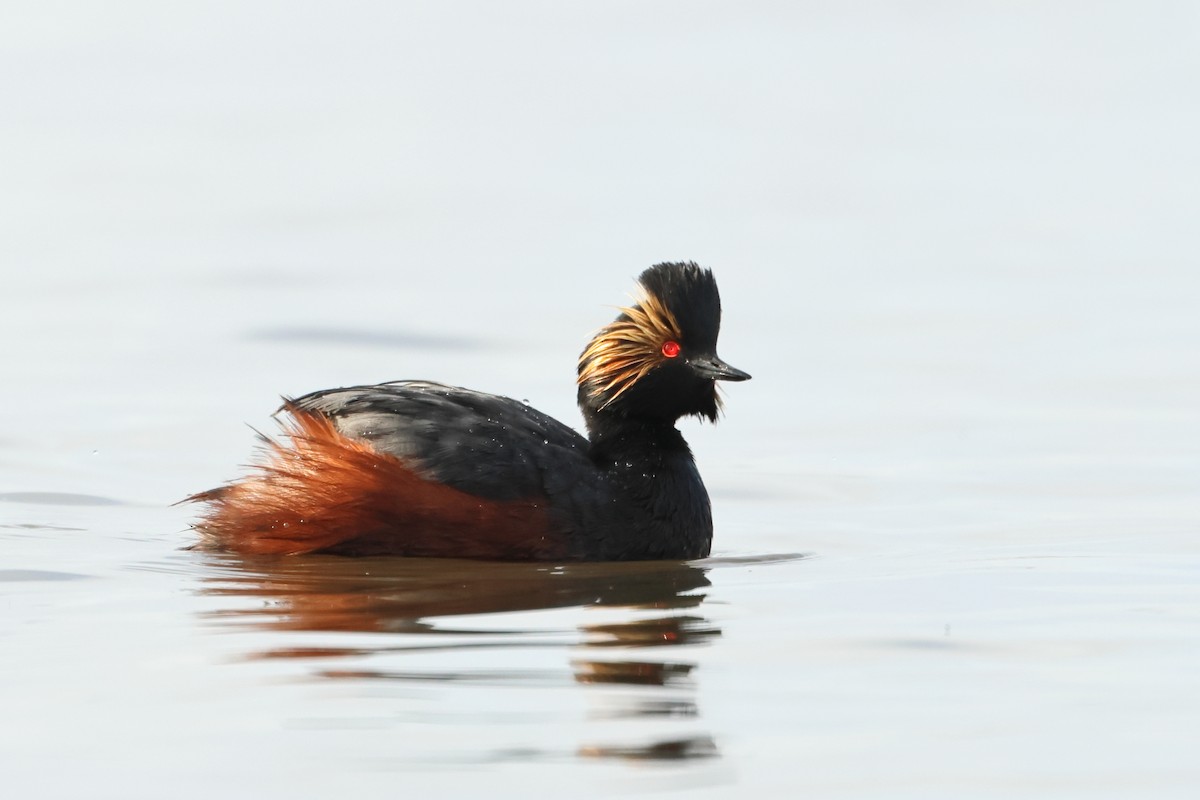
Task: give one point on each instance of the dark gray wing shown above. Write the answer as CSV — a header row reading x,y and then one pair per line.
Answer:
x,y
484,444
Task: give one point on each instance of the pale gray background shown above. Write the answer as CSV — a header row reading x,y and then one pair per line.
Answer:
x,y
957,247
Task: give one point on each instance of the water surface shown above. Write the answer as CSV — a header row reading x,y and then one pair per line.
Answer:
x,y
957,511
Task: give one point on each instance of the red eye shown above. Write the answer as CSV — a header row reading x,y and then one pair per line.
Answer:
x,y
670,349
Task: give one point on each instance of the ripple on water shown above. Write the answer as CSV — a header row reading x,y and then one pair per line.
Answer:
x,y
35,575
57,499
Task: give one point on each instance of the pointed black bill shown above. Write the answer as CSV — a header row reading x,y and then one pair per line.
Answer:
x,y
716,369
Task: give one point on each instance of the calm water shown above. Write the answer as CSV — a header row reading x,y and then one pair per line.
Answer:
x,y
958,508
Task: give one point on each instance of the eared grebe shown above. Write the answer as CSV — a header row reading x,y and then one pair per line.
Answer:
x,y
421,469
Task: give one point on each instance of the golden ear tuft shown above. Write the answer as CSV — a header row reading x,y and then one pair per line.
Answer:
x,y
624,351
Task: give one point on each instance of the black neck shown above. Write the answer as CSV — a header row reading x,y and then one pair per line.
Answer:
x,y
657,506
612,432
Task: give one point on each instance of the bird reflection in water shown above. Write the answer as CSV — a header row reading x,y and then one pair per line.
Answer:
x,y
415,596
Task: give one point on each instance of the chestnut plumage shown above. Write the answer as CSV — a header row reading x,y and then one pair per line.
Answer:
x,y
422,469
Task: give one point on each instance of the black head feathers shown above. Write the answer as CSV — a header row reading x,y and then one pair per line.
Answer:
x,y
658,359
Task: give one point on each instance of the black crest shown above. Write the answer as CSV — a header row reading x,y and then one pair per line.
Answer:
x,y
689,292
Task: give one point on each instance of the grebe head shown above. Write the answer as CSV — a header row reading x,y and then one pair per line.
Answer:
x,y
658,359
